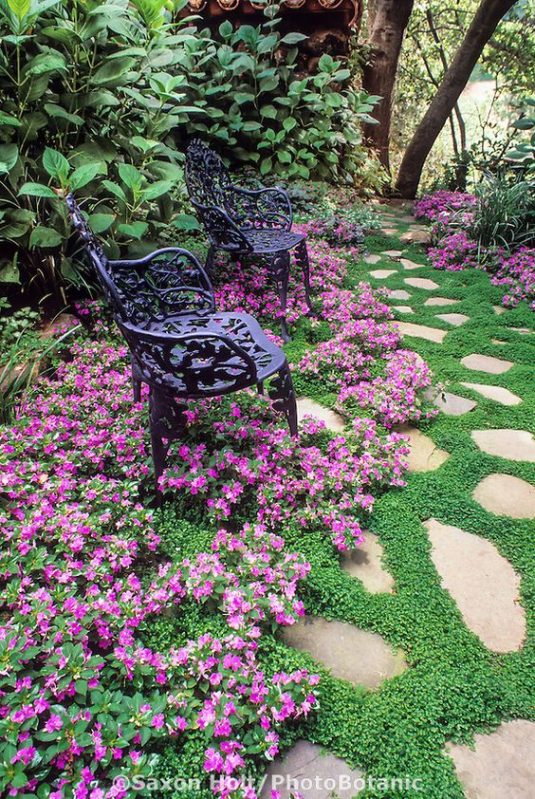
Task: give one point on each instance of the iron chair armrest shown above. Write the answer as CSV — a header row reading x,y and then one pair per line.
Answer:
x,y
222,230
277,211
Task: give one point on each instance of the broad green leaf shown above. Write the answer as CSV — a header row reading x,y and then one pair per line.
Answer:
x,y
20,8
55,164
293,38
7,119
84,174
8,157
156,189
45,237
58,112
186,222
10,274
100,222
37,190
111,71
114,189
130,176
44,63
268,111
135,230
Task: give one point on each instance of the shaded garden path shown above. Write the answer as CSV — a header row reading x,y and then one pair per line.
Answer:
x,y
466,515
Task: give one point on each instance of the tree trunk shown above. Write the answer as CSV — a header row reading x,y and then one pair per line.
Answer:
x,y
387,20
484,23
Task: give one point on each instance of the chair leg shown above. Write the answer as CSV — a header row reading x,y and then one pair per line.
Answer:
x,y
159,448
279,267
136,384
210,260
260,387
281,391
301,257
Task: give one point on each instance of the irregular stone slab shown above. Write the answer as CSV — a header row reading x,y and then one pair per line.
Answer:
x,y
422,331
393,253
372,259
486,363
439,301
388,231
399,294
498,341
498,309
455,319
402,308
496,393
506,495
424,456
483,584
502,765
307,770
352,654
382,274
421,283
364,562
408,264
523,331
453,404
307,406
416,237
517,445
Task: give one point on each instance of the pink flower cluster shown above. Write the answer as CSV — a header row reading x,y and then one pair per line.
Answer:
x,y
454,252
517,274
80,698
441,205
397,396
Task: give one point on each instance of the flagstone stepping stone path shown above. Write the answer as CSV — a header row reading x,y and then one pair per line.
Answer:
x,y
364,562
505,495
502,764
453,404
421,283
333,421
399,294
439,301
517,445
372,259
424,456
402,308
416,237
486,363
352,654
483,584
408,264
455,319
422,331
382,274
307,763
393,253
496,393
498,309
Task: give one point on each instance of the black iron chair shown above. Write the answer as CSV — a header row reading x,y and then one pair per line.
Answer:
x,y
246,222
180,346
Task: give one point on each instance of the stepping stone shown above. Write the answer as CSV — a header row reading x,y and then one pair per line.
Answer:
x,y
307,406
364,562
439,301
399,294
407,264
483,584
498,309
416,237
502,765
350,653
453,404
524,331
498,341
393,253
402,308
496,393
308,771
455,319
388,231
486,363
421,283
505,495
382,274
424,454
517,445
422,331
372,259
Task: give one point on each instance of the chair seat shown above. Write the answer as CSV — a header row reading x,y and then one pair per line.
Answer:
x,y
241,328
269,240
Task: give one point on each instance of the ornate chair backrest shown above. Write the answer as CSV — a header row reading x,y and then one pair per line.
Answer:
x,y
206,175
146,292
